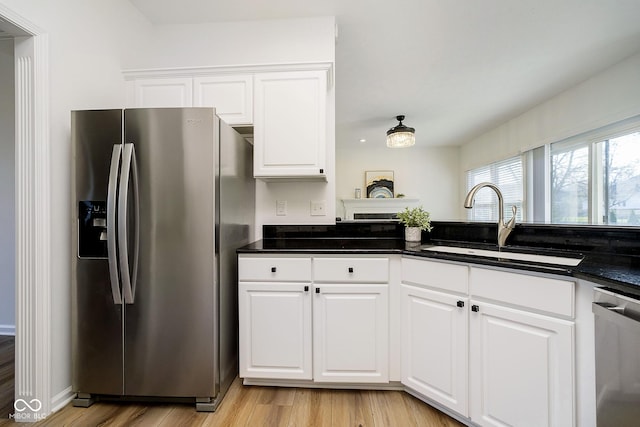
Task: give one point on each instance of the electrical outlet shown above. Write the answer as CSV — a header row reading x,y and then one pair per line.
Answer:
x,y
281,207
318,208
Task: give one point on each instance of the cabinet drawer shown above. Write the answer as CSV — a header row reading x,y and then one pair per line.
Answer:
x,y
441,275
351,270
274,269
540,293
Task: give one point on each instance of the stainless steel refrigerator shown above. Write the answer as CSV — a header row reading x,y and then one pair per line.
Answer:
x,y
161,199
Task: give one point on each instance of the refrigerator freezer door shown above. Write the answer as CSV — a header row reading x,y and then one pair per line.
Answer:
x,y
169,330
96,318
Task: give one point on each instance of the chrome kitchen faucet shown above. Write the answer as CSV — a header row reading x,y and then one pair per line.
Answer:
x,y
503,229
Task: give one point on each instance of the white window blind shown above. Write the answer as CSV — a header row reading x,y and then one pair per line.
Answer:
x,y
507,175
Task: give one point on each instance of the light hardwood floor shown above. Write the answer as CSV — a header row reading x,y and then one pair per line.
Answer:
x,y
7,355
265,406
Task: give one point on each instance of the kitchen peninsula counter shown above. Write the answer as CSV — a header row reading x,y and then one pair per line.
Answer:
x,y
611,255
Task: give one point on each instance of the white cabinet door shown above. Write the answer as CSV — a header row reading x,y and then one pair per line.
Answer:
x,y
163,92
521,368
231,95
275,330
290,124
351,333
435,346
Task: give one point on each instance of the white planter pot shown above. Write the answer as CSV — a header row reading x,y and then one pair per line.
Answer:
x,y
412,234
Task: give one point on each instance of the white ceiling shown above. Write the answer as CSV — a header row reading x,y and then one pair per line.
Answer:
x,y
455,68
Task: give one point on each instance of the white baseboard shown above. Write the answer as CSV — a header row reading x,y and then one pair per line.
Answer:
x,y
62,399
9,330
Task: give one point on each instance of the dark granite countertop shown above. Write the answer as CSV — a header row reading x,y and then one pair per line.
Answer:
x,y
329,245
612,268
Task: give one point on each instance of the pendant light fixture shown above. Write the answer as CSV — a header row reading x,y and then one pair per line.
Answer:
x,y
401,135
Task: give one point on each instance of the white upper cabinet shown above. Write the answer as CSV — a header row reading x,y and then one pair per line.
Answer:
x,y
289,106
164,92
231,95
290,124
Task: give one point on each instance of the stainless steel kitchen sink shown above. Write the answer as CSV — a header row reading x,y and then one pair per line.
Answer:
x,y
516,256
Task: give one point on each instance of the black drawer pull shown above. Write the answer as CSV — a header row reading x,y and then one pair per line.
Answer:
x,y
317,290
475,308
350,269
273,269
306,288
460,304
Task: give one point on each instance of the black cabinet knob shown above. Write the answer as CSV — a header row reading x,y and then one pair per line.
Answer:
x,y
460,304
321,170
475,308
317,290
273,269
350,269
306,288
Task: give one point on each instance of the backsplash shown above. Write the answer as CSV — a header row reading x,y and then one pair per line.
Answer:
x,y
605,239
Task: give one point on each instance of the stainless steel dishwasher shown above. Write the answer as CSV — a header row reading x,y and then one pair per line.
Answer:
x,y
617,349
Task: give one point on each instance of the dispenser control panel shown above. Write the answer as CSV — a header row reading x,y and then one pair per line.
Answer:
x,y
92,229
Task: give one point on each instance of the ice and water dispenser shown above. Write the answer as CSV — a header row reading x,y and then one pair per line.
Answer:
x,y
92,229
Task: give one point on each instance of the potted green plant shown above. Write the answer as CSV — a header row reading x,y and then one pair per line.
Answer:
x,y
415,221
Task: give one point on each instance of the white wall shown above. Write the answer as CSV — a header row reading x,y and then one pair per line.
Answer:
x,y
605,98
88,44
7,185
429,174
253,43
239,43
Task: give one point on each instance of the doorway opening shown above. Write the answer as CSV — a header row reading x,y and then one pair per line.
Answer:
x,y
7,221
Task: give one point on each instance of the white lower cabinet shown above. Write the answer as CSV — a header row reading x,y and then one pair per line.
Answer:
x,y
332,326
275,330
509,349
435,345
495,347
521,371
351,333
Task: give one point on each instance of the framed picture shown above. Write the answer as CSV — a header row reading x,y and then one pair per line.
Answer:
x,y
379,184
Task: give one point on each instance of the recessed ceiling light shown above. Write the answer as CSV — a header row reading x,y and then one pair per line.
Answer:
x,y
363,140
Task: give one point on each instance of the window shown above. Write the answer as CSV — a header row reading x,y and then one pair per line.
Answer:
x,y
596,181
621,180
592,178
570,184
507,175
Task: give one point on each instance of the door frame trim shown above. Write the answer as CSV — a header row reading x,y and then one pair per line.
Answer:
x,y
32,210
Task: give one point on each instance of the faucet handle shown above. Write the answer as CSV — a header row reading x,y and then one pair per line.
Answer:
x,y
512,221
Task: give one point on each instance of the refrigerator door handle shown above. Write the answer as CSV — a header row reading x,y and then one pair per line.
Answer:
x,y
112,191
129,168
